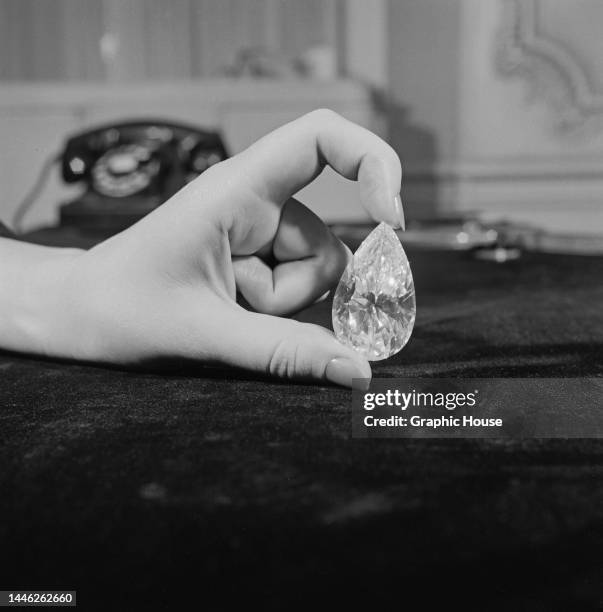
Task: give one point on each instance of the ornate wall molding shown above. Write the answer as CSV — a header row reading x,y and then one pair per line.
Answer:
x,y
548,66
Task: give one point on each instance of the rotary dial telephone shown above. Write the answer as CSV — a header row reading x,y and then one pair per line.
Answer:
x,y
130,168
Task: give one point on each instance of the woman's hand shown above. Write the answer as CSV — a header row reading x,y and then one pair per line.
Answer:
x,y
166,287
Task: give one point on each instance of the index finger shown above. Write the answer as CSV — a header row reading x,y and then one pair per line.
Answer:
x,y
289,158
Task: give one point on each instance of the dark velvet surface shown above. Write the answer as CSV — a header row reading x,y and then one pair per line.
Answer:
x,y
152,487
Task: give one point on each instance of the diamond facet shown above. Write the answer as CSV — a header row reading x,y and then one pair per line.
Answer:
x,y
374,305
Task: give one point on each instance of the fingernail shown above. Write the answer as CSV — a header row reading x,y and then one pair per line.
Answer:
x,y
346,373
399,211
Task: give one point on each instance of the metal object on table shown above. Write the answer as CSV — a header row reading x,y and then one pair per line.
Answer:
x,y
499,242
532,238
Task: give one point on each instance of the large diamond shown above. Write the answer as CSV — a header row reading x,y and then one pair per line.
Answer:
x,y
374,306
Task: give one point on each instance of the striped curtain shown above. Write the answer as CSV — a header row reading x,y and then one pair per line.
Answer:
x,y
121,40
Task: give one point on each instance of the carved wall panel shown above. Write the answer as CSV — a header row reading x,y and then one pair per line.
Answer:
x,y
556,46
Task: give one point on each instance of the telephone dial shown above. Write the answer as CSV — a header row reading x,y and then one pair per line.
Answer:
x,y
130,168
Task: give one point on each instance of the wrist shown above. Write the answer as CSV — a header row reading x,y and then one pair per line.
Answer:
x,y
34,305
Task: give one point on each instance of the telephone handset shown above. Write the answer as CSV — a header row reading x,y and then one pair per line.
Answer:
x,y
130,168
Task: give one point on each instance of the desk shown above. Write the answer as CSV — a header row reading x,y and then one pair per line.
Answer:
x,y
134,487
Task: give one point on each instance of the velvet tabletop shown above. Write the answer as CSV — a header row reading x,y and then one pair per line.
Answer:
x,y
207,485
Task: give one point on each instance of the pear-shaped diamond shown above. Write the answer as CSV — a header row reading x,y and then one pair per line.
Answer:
x,y
374,305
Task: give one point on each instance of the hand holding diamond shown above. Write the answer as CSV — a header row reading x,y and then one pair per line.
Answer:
x,y
166,287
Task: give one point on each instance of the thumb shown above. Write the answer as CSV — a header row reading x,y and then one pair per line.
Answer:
x,y
285,348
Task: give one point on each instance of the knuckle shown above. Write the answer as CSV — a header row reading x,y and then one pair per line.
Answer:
x,y
381,162
267,302
287,360
324,115
269,306
283,361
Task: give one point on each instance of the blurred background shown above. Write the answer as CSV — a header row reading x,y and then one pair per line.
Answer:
x,y
494,106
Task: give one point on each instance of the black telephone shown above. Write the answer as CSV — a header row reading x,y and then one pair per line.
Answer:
x,y
130,168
